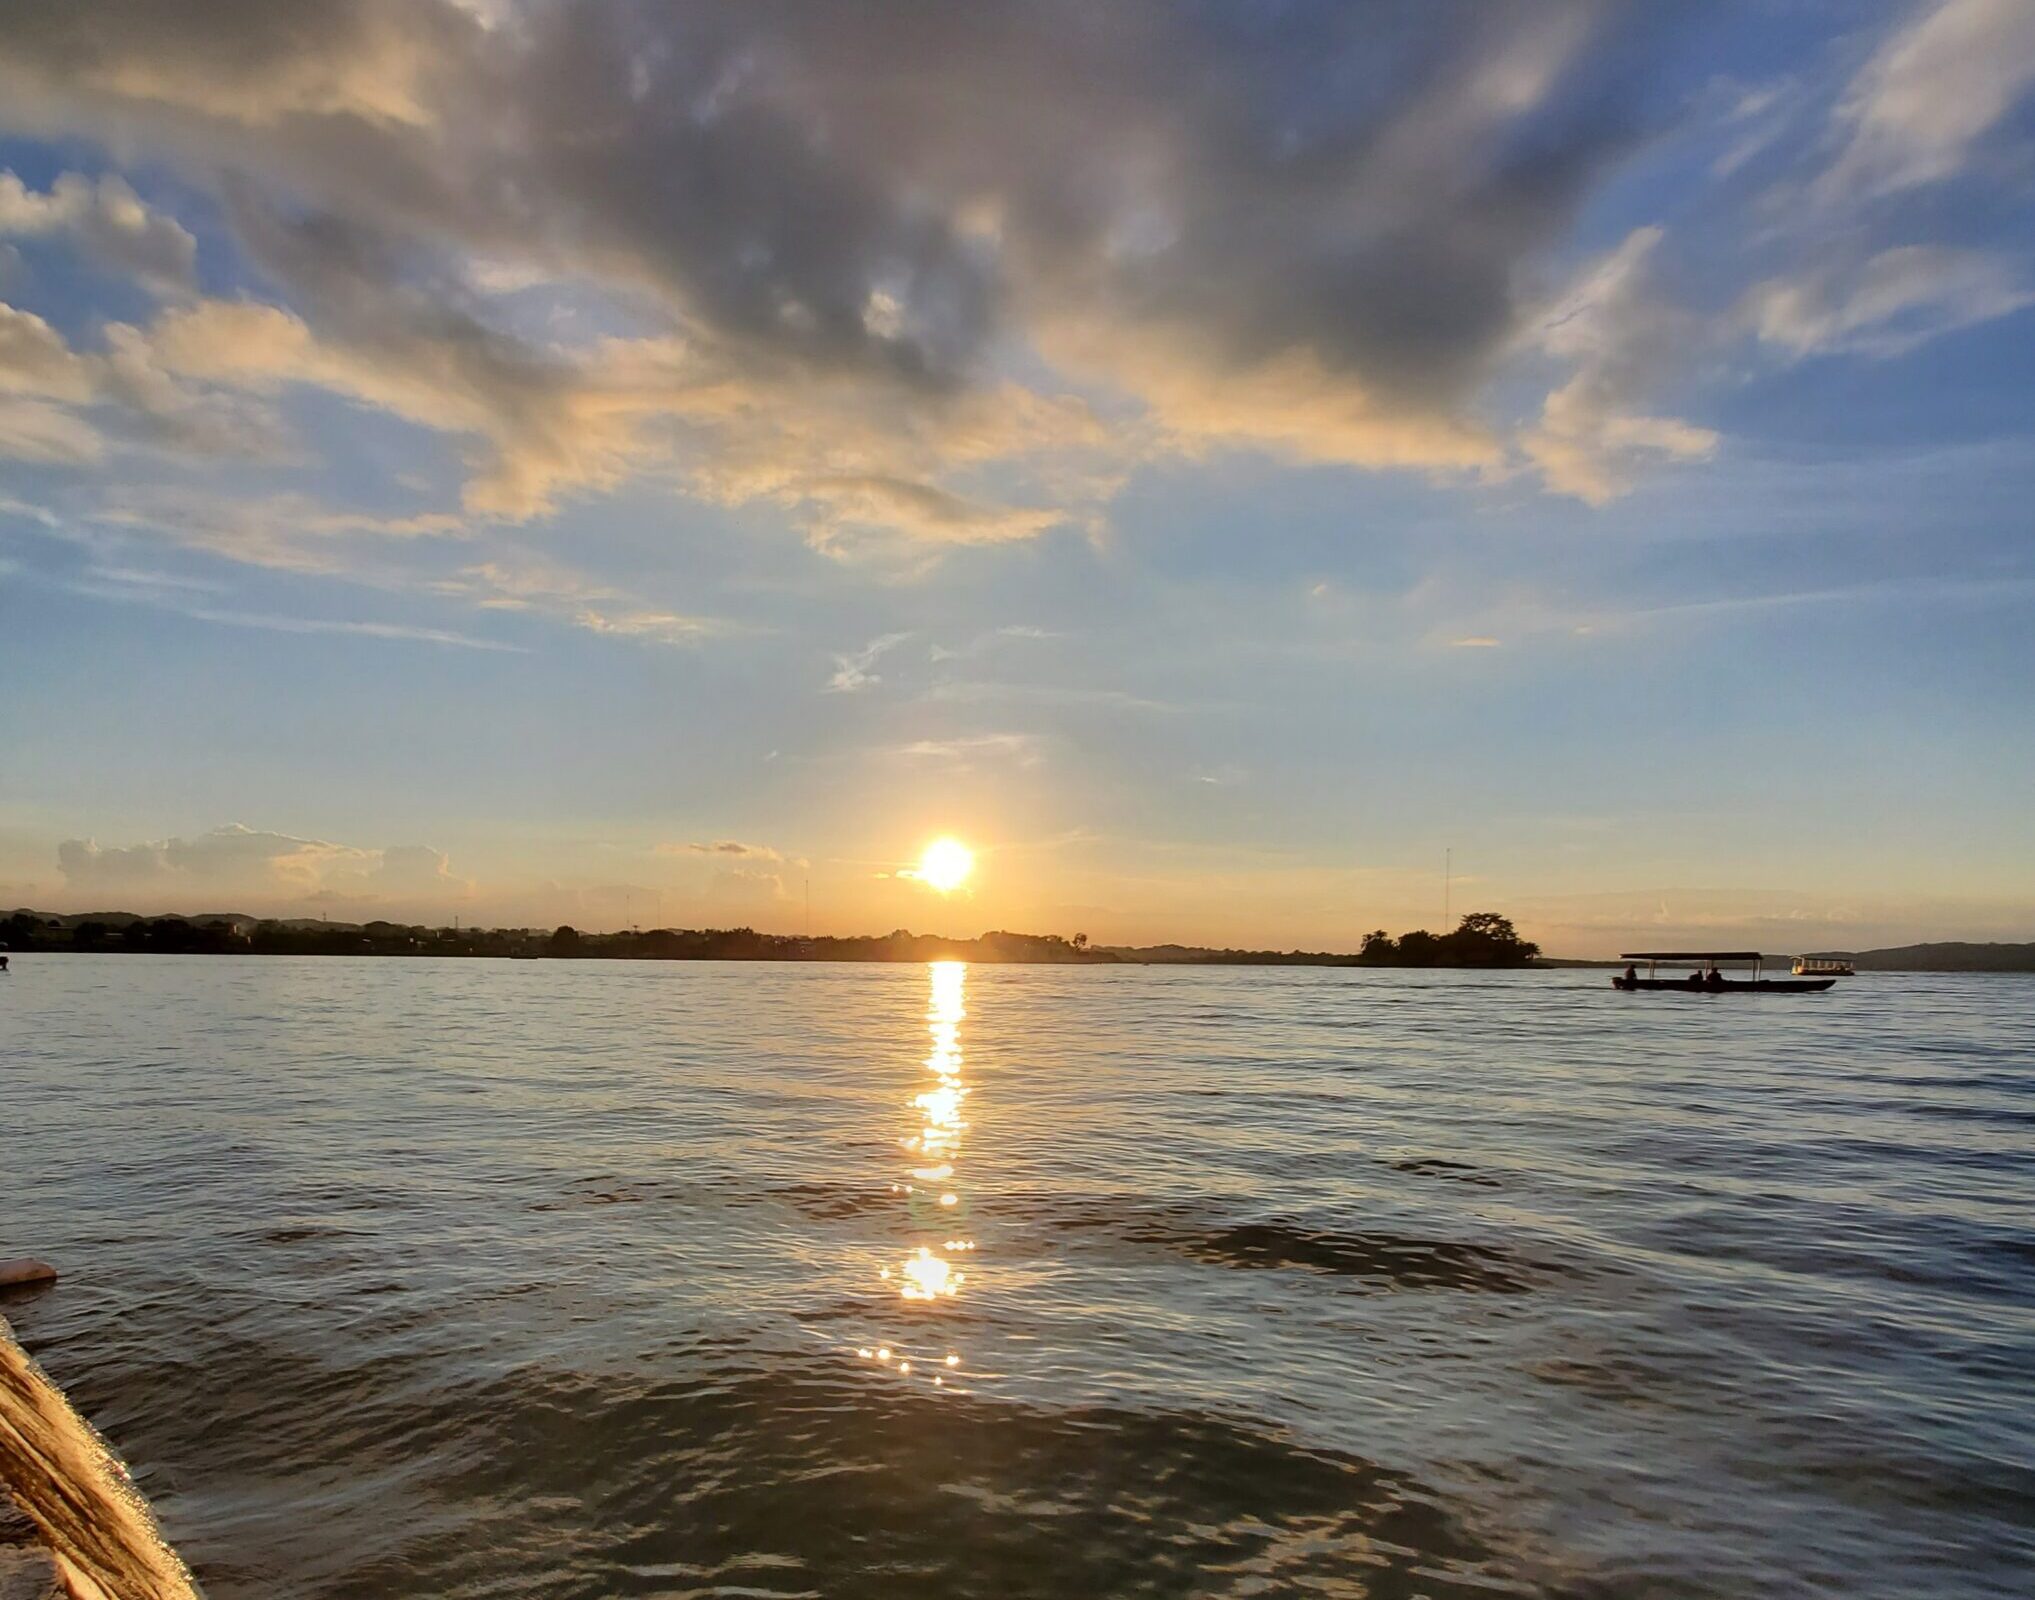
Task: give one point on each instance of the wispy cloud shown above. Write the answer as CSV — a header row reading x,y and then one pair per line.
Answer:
x,y
970,691
853,672
1887,304
1021,749
143,578
723,847
1529,617
369,630
1929,94
27,511
665,627
1624,340
172,598
990,639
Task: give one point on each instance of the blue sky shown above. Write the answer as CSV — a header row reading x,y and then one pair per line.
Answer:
x,y
543,462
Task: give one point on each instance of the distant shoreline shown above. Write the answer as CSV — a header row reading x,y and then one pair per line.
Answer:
x,y
1484,940
124,933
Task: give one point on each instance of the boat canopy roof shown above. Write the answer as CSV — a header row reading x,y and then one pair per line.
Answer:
x,y
1692,955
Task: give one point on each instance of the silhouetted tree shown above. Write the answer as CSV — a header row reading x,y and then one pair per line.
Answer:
x,y
565,941
1418,949
1485,939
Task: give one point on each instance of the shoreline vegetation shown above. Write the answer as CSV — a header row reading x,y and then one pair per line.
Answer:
x,y
1482,939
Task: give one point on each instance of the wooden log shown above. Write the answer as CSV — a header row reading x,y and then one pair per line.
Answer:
x,y
93,1521
27,1570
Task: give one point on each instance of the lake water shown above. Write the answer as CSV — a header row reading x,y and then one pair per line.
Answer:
x,y
487,1279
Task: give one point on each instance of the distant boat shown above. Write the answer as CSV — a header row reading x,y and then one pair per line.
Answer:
x,y
1705,978
1823,967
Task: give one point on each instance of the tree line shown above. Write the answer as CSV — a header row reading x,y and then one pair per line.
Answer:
x,y
239,936
1482,939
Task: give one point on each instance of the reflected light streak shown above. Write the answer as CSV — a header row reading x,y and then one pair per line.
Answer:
x,y
927,1275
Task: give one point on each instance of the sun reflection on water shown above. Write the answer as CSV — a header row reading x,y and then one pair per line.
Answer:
x,y
927,1274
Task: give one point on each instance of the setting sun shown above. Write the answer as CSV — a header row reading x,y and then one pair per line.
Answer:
x,y
946,865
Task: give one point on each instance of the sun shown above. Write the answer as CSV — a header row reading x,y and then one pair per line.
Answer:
x,y
946,865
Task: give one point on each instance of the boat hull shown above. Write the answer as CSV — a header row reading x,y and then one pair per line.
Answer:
x,y
1728,986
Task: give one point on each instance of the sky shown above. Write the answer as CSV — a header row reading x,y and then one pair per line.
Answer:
x,y
537,462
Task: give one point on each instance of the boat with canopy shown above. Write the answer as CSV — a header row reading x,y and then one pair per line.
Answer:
x,y
1706,975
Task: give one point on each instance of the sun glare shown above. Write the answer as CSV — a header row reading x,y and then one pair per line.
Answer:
x,y
946,864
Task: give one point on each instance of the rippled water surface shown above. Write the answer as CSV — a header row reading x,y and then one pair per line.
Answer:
x,y
582,1279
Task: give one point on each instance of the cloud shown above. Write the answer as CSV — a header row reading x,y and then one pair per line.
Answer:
x,y
1624,340
731,888
237,61
526,584
180,597
1019,749
415,870
1290,402
1887,304
919,510
109,221
268,622
723,847
664,627
32,430
989,640
57,391
976,691
1524,615
345,627
35,360
283,532
27,511
296,534
536,421
1929,94
920,277
269,868
845,262
852,672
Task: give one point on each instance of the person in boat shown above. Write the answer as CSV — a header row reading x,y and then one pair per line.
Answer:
x,y
1695,978
1632,975
1713,979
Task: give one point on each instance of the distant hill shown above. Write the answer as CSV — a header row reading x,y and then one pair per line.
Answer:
x,y
1945,957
